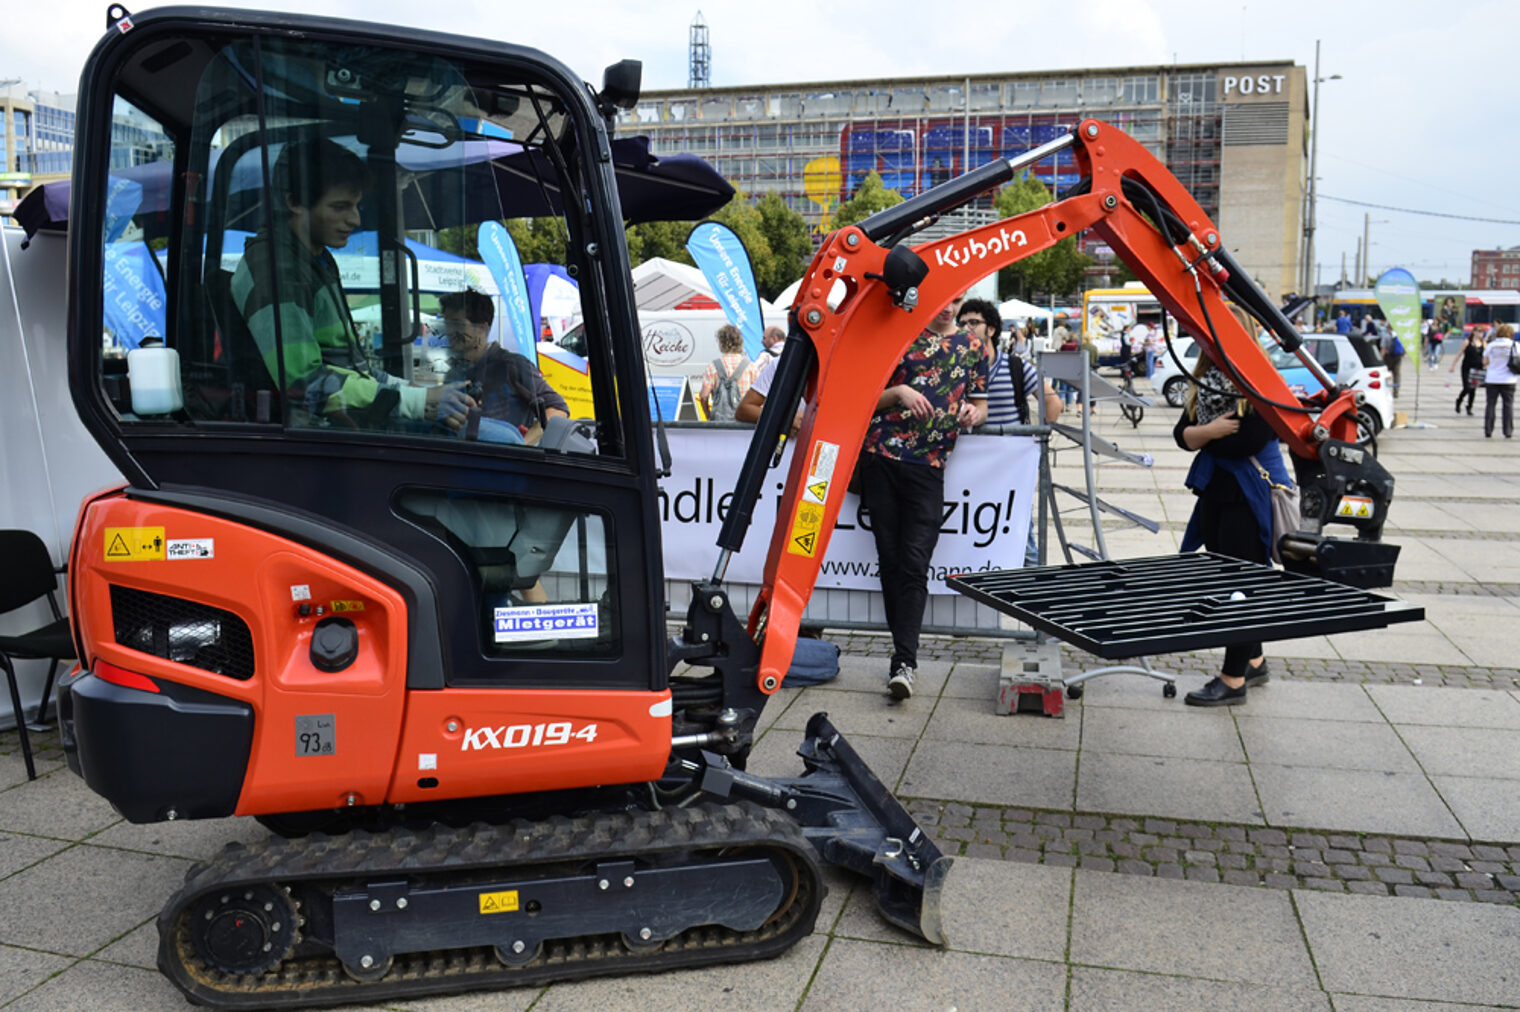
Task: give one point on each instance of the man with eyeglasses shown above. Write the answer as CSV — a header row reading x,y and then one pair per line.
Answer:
x,y
1009,379
939,388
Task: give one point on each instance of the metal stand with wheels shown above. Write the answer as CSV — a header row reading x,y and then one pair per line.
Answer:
x,y
1071,367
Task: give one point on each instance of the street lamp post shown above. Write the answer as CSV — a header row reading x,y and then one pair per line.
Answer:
x,y
1313,175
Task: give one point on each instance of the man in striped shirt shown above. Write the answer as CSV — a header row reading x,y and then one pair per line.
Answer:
x,y
1009,378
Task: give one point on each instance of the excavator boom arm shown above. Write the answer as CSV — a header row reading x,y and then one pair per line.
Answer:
x,y
842,355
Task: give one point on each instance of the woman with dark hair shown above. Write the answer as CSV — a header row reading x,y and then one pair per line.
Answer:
x,y
1238,460
1471,361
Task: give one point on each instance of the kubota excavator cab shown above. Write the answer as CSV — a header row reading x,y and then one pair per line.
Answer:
x,y
307,548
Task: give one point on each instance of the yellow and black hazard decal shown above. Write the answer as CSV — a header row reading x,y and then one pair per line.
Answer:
x,y
1355,506
807,524
342,606
504,902
815,487
134,544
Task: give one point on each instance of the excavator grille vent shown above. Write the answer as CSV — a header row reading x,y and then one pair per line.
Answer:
x,y
178,630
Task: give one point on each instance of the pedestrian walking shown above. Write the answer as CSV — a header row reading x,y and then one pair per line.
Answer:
x,y
1471,363
1499,381
938,388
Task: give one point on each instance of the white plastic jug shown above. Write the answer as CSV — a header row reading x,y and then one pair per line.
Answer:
x,y
153,374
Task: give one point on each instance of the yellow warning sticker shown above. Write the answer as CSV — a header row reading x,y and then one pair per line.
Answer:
x,y
134,544
340,606
816,491
498,903
806,525
1354,506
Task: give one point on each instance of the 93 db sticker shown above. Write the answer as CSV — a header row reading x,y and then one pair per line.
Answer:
x,y
546,621
316,734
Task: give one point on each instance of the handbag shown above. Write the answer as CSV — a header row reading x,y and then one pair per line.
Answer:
x,y
1286,518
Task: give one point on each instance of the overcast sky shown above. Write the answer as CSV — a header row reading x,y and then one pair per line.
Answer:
x,y
1422,118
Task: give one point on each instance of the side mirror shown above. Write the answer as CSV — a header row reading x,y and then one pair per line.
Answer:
x,y
620,87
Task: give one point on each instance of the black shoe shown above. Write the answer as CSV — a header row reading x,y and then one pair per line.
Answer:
x,y
1216,693
1259,675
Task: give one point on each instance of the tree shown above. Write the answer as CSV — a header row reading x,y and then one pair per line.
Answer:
x,y
652,239
869,197
538,240
791,243
1057,270
744,218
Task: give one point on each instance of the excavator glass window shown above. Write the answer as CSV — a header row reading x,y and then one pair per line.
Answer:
x,y
348,241
543,572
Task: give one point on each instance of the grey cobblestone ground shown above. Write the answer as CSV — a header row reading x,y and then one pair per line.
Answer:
x,y
988,650
1234,854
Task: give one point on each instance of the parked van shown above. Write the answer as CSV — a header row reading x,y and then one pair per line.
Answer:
x,y
677,342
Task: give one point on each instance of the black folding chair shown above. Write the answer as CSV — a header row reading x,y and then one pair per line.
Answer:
x,y
31,576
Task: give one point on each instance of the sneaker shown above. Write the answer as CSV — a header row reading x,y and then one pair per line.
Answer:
x,y
1260,675
900,685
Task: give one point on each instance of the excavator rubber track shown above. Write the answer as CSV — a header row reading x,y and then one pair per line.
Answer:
x,y
269,925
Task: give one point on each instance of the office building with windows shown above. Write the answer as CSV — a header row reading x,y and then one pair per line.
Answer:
x,y
1496,268
37,142
1234,134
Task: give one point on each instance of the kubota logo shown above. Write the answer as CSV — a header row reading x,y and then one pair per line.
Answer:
x,y
975,249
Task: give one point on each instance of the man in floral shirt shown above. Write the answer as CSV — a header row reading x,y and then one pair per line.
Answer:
x,y
939,388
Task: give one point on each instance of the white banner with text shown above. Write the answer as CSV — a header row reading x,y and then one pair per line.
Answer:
x,y
989,488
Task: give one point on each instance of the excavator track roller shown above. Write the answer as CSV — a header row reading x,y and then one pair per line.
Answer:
x,y
403,914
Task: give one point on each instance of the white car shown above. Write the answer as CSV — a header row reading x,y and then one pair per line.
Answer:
x,y
1351,360
1167,379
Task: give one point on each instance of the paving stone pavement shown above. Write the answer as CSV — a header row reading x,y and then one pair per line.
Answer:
x,y
1349,840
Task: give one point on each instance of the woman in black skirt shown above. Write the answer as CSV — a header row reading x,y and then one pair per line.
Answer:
x,y
1471,361
1233,514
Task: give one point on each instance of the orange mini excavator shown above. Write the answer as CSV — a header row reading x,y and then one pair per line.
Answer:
x,y
427,649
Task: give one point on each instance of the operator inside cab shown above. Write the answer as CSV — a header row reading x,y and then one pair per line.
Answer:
x,y
288,274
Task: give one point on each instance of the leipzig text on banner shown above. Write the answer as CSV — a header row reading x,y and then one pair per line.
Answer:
x,y
989,486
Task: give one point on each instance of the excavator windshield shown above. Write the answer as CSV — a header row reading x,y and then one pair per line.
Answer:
x,y
339,241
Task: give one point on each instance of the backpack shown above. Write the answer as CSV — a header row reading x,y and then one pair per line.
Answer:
x,y
725,394
1016,373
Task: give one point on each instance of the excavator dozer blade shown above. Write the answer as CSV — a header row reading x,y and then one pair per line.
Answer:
x,y
855,822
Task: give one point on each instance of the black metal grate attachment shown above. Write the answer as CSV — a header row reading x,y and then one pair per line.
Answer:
x,y
178,630
1136,607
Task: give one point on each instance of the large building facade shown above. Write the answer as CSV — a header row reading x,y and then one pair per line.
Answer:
x,y
1234,134
1496,268
37,141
